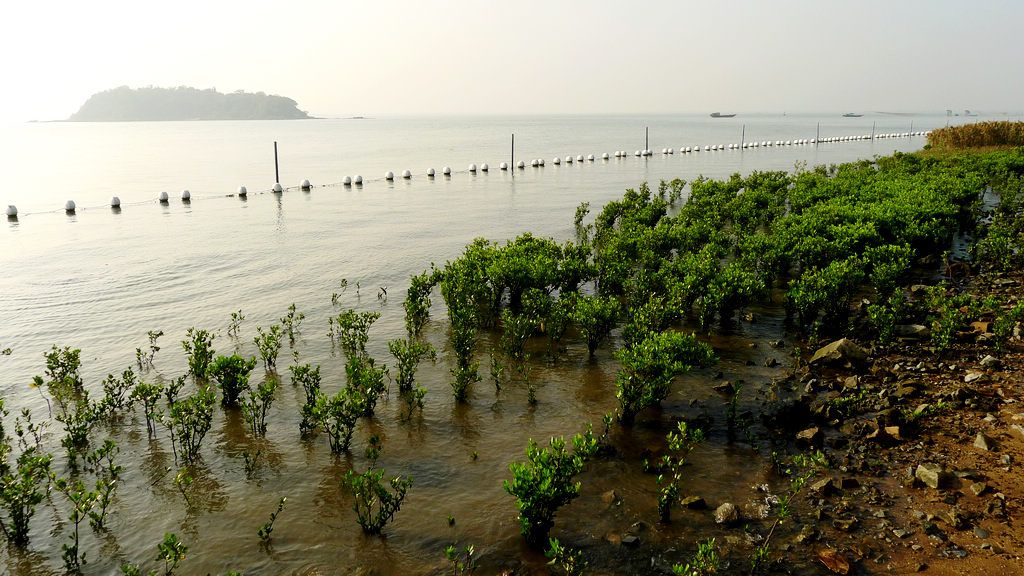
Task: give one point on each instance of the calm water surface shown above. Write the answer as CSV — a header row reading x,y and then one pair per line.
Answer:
x,y
98,280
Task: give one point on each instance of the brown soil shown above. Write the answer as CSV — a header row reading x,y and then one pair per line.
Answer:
x,y
968,524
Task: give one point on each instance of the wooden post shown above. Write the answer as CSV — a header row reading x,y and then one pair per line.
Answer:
x,y
743,136
872,131
647,138
512,164
817,134
277,175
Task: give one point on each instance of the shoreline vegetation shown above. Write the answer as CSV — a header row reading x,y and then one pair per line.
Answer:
x,y
891,438
125,104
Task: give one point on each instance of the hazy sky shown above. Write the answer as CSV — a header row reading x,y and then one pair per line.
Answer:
x,y
395,57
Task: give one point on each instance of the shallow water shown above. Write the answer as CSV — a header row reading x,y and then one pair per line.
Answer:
x,y
98,280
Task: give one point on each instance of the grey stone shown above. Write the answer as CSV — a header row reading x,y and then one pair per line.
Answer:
x,y
841,352
978,488
984,442
980,532
973,377
931,474
911,331
630,541
727,514
990,362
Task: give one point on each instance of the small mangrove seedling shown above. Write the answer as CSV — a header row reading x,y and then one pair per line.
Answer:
x,y
145,359
257,404
309,379
190,419
199,348
82,502
570,561
182,480
265,530
171,551
148,395
497,368
462,564
22,486
705,562
291,323
681,443
6,352
232,376
409,353
374,503
252,461
236,322
544,483
269,344
338,416
117,392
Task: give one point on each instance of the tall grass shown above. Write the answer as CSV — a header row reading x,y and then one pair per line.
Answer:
x,y
978,135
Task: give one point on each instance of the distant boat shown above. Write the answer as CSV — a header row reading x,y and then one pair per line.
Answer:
x,y
720,115
852,115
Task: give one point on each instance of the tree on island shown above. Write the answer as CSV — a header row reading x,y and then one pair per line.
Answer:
x,y
184,103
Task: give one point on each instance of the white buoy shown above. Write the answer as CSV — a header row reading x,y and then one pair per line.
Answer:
x,y
389,175
406,174
484,167
521,165
358,180
447,171
534,163
347,181
278,188
115,202
305,185
568,159
590,157
503,166
163,198
69,206
12,211
472,167
604,156
556,161
186,195
541,160
242,191
579,158
430,173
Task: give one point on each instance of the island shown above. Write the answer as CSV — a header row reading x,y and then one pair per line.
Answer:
x,y
126,104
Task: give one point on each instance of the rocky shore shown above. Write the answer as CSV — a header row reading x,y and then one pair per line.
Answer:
x,y
925,449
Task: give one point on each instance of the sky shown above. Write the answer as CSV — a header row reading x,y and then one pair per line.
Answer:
x,y
340,58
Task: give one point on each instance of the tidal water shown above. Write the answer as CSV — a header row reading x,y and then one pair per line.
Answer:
x,y
99,279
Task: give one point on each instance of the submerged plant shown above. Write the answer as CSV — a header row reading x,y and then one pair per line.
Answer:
x,y
681,443
265,530
375,504
199,348
544,483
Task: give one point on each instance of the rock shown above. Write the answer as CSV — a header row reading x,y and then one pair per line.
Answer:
x,y
694,503
1018,428
978,488
932,475
724,387
849,483
901,533
727,514
834,561
630,541
984,442
852,383
610,498
822,488
840,353
973,376
776,343
954,517
810,437
918,290
770,362
980,532
844,524
990,362
807,534
911,331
